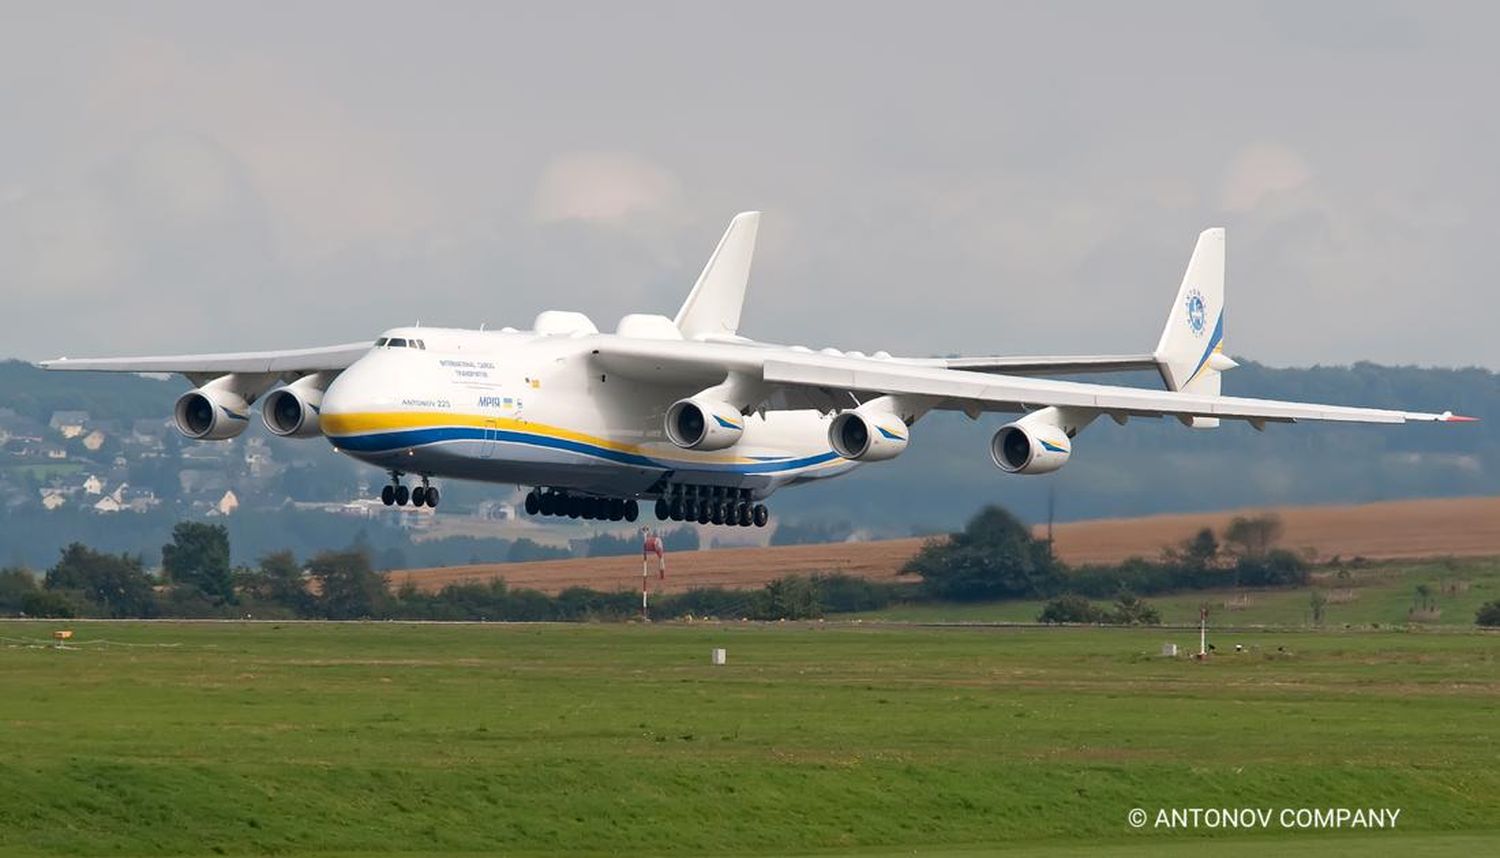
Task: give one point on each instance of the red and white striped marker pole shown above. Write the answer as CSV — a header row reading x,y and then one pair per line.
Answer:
x,y
650,544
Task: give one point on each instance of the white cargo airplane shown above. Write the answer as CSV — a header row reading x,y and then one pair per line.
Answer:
x,y
685,411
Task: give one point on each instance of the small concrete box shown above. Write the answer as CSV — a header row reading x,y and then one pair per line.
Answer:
x,y
719,655
1169,649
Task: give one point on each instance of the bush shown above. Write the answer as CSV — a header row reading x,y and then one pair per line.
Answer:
x,y
1489,614
1130,611
1276,568
45,603
1072,608
791,598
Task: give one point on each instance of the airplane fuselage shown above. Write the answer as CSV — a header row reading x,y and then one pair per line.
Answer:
x,y
536,410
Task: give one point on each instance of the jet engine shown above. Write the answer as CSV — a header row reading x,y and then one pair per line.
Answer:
x,y
698,423
292,411
868,437
1038,443
211,413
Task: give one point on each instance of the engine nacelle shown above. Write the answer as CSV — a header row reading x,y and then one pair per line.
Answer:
x,y
211,413
868,437
293,411
1030,447
697,423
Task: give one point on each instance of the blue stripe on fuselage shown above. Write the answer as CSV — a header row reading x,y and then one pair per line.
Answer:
x,y
386,441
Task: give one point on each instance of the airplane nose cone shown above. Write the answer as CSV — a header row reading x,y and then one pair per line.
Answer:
x,y
349,401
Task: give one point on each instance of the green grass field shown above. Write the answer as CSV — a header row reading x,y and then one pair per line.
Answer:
x,y
357,739
1377,595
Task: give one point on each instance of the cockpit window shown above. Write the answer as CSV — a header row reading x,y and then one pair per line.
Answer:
x,y
397,343
380,343
421,344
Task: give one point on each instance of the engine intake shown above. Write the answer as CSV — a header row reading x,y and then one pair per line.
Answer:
x,y
1030,447
868,437
293,411
211,414
704,424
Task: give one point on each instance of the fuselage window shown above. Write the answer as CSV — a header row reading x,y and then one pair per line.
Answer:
x,y
397,343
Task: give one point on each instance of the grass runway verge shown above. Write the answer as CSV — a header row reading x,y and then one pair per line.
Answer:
x,y
363,739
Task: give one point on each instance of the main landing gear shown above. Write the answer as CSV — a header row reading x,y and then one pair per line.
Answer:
x,y
396,494
712,506
553,502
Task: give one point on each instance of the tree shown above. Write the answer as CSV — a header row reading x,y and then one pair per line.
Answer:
x,y
277,579
1131,611
791,598
1253,536
1318,601
1489,614
995,557
525,549
810,532
16,585
198,557
110,584
1202,550
348,589
1071,608
681,539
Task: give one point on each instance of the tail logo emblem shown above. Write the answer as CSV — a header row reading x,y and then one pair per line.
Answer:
x,y
1197,313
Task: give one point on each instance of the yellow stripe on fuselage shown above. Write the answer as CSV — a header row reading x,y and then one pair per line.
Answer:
x,y
336,425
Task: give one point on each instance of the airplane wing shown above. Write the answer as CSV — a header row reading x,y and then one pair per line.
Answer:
x,y
273,362
840,376
970,391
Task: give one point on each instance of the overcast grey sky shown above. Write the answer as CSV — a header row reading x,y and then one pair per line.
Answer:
x,y
982,178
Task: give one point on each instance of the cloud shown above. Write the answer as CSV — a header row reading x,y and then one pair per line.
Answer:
x,y
1259,171
604,187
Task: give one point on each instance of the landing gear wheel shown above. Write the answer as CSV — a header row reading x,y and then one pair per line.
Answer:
x,y
761,515
617,509
743,514
547,504
388,495
702,511
717,516
632,510
402,495
574,506
588,509
432,497
663,509
419,496
674,510
533,503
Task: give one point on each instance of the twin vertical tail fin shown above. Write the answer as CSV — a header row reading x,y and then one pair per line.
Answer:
x,y
1190,354
713,307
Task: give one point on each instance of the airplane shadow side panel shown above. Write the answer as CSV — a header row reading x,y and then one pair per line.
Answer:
x,y
685,412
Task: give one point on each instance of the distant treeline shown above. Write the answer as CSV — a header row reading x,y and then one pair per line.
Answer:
x,y
30,538
198,582
995,557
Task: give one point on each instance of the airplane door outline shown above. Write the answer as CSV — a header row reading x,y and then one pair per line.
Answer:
x,y
491,433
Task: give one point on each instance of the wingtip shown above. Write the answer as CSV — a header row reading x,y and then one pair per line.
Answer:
x,y
1450,417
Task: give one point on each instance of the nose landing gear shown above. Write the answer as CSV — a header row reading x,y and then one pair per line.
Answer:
x,y
396,494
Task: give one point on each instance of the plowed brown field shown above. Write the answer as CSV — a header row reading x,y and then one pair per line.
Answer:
x,y
1396,529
